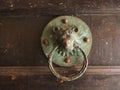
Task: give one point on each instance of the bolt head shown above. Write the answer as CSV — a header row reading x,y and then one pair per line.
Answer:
x,y
86,39
67,60
45,42
65,21
13,77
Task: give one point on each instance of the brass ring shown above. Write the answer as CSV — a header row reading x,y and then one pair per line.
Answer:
x,y
64,78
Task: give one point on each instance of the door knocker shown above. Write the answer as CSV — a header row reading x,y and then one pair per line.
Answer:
x,y
66,41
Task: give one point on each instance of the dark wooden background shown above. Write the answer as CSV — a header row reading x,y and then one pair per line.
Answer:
x,y
23,65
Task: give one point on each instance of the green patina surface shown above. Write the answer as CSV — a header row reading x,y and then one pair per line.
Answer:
x,y
75,55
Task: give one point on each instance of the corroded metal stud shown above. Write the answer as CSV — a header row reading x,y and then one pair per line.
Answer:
x,y
65,21
45,42
67,60
86,39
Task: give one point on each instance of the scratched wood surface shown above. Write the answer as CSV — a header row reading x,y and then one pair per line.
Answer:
x,y
23,66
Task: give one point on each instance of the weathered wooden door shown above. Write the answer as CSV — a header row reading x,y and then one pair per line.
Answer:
x,y
23,65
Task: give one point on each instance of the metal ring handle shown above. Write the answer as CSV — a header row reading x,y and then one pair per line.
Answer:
x,y
64,78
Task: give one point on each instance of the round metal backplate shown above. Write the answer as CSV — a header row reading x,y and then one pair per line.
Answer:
x,y
84,39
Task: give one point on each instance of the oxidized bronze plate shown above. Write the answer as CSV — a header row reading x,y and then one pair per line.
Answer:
x,y
80,34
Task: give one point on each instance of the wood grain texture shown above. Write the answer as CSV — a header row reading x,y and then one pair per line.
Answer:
x,y
42,70
21,46
46,82
58,7
39,78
